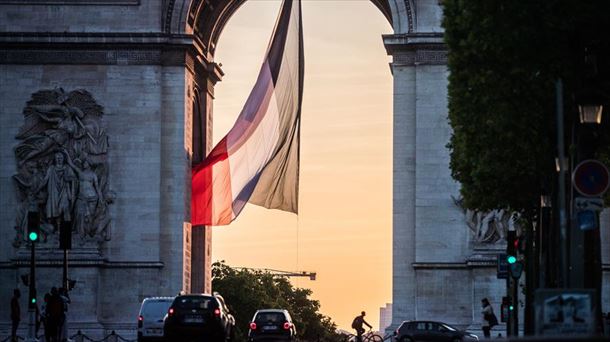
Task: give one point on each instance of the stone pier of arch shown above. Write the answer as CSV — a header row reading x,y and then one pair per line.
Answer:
x,y
150,66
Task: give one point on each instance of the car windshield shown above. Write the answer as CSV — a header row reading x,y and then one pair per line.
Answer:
x,y
188,303
155,308
274,317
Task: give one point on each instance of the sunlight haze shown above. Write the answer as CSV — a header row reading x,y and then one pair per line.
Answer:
x,y
343,230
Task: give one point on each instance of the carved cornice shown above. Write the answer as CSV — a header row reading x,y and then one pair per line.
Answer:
x,y
410,16
454,265
416,49
439,265
48,38
167,21
100,48
420,57
83,263
71,2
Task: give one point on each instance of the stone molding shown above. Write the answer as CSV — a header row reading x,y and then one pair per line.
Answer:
x,y
439,265
464,265
83,263
94,56
169,12
71,2
47,38
420,57
416,49
410,6
453,265
107,49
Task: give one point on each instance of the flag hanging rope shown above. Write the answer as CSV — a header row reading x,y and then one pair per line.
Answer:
x,y
258,160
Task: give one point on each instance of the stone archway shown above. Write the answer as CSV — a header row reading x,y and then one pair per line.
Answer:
x,y
205,20
420,79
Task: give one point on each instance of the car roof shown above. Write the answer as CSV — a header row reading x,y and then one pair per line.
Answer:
x,y
158,299
428,321
272,310
206,295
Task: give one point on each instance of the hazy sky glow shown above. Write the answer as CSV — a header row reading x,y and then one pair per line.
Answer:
x,y
343,230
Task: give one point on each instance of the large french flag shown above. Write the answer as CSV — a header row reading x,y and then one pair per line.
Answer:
x,y
258,160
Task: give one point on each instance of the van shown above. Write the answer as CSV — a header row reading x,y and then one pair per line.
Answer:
x,y
150,318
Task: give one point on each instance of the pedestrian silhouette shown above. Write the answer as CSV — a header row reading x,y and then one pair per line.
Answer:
x,y
54,314
44,317
15,314
489,318
65,301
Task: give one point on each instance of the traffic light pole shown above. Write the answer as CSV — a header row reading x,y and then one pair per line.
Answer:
x,y
32,295
512,324
64,279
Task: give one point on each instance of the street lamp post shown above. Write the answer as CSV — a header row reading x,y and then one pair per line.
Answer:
x,y
563,220
585,232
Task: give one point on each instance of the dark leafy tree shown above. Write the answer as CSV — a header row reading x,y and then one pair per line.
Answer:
x,y
504,59
247,291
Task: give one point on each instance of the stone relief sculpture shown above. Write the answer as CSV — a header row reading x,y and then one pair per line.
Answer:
x,y
489,227
62,168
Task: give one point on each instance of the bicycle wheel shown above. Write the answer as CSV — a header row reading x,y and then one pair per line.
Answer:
x,y
373,338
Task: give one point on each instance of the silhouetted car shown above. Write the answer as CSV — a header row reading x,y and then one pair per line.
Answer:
x,y
417,331
150,318
199,317
272,325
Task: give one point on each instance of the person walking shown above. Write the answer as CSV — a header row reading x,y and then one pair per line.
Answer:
x,y
15,314
44,317
65,300
357,325
54,313
489,318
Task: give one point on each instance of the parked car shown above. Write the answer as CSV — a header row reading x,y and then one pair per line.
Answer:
x,y
199,316
416,331
272,324
150,318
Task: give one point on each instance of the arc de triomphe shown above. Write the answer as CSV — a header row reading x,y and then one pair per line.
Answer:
x,y
123,90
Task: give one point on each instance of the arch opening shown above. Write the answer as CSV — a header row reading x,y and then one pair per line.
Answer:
x,y
337,62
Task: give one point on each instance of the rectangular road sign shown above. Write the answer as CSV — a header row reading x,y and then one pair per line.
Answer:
x,y
502,272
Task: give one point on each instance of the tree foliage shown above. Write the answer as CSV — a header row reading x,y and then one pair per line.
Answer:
x,y
504,58
247,291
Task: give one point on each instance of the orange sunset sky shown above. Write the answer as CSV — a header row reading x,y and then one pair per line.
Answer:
x,y
343,230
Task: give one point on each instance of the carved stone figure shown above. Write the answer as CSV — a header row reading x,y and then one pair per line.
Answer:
x,y
489,227
60,183
87,200
62,166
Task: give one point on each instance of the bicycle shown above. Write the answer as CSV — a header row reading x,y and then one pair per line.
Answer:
x,y
368,336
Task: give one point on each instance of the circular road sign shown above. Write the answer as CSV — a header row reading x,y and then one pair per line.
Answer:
x,y
590,178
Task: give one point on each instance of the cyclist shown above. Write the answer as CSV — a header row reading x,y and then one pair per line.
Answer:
x,y
357,325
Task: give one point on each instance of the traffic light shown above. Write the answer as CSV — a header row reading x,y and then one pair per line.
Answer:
x,y
512,242
505,309
32,298
33,226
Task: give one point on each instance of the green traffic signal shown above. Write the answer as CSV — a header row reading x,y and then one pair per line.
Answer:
x,y
33,236
511,259
511,308
33,300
